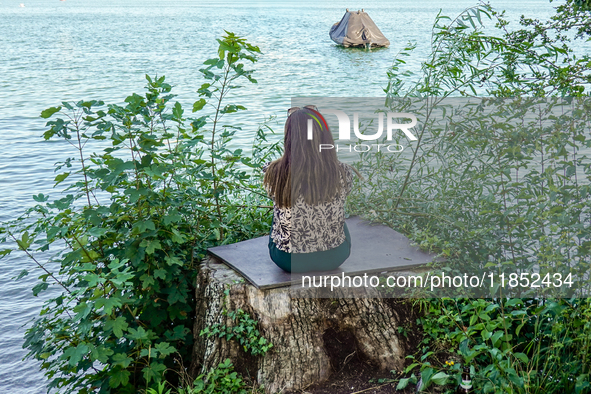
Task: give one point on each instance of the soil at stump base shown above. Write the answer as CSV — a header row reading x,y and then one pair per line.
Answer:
x,y
354,382
352,372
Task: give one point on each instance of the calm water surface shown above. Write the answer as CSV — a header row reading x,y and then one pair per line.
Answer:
x,y
51,51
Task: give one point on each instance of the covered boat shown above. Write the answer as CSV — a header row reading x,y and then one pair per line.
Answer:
x,y
356,28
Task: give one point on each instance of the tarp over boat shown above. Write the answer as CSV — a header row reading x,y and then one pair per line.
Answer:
x,y
356,28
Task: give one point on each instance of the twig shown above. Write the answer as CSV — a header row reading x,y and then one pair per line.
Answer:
x,y
38,263
371,388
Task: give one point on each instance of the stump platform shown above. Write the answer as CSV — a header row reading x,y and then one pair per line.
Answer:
x,y
303,329
375,248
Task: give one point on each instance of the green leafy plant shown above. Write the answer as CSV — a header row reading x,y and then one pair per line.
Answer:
x,y
160,389
496,192
511,345
243,330
487,189
219,380
134,219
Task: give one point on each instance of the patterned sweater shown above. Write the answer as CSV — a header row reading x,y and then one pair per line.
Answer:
x,y
315,227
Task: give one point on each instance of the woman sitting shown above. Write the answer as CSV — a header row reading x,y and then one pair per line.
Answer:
x,y
308,187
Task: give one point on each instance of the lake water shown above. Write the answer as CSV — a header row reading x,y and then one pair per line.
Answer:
x,y
51,51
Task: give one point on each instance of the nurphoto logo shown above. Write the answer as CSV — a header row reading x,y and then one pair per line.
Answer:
x,y
393,122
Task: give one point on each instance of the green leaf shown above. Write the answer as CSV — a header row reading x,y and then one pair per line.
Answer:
x,y
60,178
122,359
426,376
178,237
177,333
177,110
513,302
410,367
40,197
116,264
62,203
25,241
146,225
108,304
204,90
514,378
402,384
519,328
119,377
75,354
521,356
440,378
101,354
154,372
137,335
198,105
39,287
82,310
485,334
160,273
117,325
164,349
50,111
147,281
171,218
93,280
97,231
175,296
22,274
173,260
151,245
464,347
211,62
496,337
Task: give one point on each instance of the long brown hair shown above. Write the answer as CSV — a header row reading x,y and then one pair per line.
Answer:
x,y
304,169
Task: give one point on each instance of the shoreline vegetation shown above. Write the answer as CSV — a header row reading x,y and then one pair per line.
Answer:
x,y
137,218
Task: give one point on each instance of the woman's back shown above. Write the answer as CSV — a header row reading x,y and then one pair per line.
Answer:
x,y
308,187
307,228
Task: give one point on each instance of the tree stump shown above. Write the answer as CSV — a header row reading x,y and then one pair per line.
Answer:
x,y
302,330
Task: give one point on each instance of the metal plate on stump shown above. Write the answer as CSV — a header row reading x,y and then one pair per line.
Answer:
x,y
375,248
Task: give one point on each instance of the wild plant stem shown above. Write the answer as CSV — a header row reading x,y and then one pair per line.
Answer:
x,y
80,150
56,280
213,134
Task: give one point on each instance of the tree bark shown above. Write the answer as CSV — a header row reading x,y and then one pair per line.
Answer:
x,y
303,331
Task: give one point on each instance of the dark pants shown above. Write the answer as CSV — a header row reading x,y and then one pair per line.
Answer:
x,y
325,260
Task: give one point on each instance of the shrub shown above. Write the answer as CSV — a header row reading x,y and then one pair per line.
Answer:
x,y
136,219
493,197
